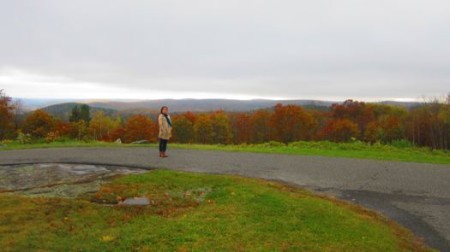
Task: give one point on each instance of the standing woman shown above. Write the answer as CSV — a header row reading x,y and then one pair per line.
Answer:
x,y
165,130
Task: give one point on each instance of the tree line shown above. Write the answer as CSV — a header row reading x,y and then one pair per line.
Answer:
x,y
425,125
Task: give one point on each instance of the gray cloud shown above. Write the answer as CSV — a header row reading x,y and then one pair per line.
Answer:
x,y
291,49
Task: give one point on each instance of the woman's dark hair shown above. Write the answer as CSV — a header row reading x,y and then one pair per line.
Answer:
x,y
163,108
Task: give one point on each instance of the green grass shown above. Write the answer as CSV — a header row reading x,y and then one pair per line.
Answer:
x,y
14,145
347,150
196,212
324,148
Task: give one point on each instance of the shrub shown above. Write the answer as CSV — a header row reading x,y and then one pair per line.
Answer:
x,y
52,137
402,143
23,138
272,144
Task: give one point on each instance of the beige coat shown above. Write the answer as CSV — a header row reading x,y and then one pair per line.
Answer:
x,y
165,131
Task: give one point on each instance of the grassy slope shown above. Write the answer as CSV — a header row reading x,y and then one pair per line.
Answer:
x,y
197,212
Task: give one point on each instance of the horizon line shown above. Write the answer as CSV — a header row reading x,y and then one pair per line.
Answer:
x,y
222,98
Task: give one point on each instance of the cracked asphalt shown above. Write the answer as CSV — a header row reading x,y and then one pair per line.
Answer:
x,y
413,194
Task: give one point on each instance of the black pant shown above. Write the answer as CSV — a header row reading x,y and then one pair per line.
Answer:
x,y
163,145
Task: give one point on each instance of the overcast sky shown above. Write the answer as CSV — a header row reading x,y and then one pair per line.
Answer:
x,y
360,49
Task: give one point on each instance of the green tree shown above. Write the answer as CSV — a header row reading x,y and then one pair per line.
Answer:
x,y
79,130
75,116
102,126
183,129
85,113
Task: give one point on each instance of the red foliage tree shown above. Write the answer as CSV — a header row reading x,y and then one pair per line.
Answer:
x,y
291,123
62,128
241,128
341,130
358,112
260,126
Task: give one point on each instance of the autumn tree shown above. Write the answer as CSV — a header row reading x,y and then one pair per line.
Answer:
x,y
321,118
139,127
62,128
102,126
358,112
118,134
430,125
79,130
6,116
373,133
242,128
38,124
291,123
392,128
18,114
183,128
203,129
221,131
341,130
260,126
388,126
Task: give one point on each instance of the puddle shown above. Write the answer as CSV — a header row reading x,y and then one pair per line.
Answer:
x,y
138,201
58,180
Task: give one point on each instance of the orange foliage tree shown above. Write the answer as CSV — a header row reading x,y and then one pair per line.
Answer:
x,y
388,126
203,129
62,128
39,124
391,129
139,127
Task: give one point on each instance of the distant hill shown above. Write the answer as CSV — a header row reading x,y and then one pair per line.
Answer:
x,y
204,105
401,104
33,104
152,107
64,110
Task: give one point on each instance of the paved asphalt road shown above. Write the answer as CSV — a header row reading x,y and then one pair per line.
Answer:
x,y
415,195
